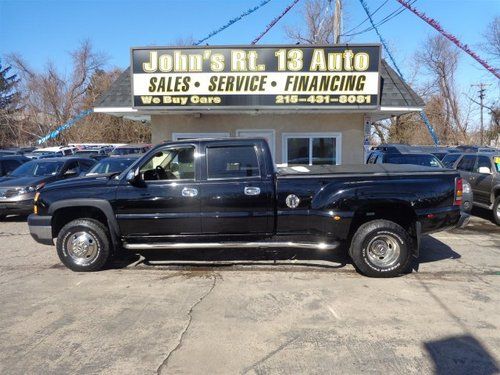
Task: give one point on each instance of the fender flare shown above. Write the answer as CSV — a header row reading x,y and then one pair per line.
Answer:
x,y
100,204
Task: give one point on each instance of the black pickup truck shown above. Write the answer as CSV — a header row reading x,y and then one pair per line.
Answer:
x,y
217,193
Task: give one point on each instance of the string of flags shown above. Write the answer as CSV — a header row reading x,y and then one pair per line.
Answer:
x,y
464,47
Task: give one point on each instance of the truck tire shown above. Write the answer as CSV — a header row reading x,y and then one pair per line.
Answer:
x,y
83,245
496,210
381,248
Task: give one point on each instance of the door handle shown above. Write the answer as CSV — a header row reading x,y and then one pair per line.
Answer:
x,y
252,190
189,192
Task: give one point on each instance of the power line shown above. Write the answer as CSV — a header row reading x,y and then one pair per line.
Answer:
x,y
274,21
386,19
366,19
232,21
423,116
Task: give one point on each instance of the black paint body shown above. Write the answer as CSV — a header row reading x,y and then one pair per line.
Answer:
x,y
334,201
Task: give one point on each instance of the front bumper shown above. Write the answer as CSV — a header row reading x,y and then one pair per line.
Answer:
x,y
18,207
464,220
41,229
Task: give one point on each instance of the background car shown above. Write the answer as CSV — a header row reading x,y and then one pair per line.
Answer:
x,y
10,163
112,165
18,189
130,149
482,171
51,152
93,153
402,154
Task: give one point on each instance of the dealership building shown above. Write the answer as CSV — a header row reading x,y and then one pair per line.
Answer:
x,y
314,104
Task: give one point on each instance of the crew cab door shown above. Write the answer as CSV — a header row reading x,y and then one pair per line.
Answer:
x,y
237,192
165,198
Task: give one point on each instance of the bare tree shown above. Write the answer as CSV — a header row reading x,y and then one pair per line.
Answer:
x,y
440,59
492,38
323,23
51,97
102,127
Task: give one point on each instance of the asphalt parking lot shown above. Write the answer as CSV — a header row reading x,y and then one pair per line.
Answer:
x,y
251,312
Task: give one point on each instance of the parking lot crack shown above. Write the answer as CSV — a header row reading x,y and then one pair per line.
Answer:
x,y
165,362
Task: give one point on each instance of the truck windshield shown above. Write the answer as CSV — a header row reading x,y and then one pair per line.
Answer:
x,y
415,159
37,168
110,166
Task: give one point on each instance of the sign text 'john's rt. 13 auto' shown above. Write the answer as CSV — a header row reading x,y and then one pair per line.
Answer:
x,y
340,76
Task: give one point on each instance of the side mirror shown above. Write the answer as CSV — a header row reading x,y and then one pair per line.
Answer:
x,y
133,177
484,170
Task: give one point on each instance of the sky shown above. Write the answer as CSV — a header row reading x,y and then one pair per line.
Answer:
x,y
47,30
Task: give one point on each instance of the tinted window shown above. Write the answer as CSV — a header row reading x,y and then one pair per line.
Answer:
x,y
38,168
85,165
417,159
231,162
483,161
450,159
467,163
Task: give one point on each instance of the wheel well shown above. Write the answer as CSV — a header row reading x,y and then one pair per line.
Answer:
x,y
398,213
64,215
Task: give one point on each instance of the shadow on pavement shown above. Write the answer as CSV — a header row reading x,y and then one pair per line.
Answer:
x,y
197,258
433,250
15,219
483,214
461,355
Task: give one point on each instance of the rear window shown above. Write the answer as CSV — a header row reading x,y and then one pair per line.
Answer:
x,y
232,162
423,160
450,159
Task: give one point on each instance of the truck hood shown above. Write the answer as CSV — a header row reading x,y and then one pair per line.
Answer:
x,y
80,182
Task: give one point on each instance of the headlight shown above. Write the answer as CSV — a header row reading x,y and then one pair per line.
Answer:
x,y
466,187
30,189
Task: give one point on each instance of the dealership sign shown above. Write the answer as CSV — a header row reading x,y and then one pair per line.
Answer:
x,y
340,76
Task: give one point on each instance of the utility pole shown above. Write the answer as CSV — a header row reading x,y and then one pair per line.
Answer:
x,y
481,92
337,21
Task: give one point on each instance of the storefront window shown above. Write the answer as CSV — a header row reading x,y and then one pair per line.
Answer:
x,y
311,150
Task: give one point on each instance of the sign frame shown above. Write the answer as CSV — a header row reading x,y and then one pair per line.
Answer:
x,y
271,108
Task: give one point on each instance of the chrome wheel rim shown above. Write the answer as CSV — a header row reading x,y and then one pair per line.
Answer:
x,y
498,211
384,251
82,248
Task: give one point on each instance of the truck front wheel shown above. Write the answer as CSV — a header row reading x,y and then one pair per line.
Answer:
x,y
381,248
83,245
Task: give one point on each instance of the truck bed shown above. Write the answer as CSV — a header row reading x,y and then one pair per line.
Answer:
x,y
359,169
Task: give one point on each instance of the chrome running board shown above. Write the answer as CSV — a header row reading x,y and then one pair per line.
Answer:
x,y
214,245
